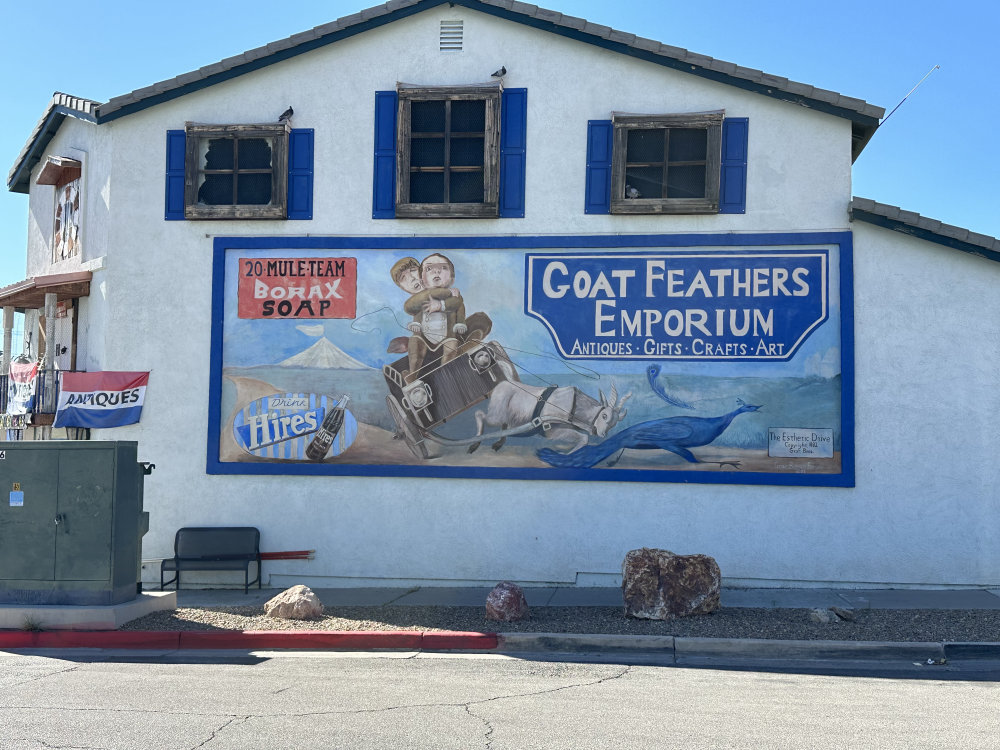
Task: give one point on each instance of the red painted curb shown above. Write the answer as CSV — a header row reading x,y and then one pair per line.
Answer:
x,y
151,639
309,639
17,639
412,640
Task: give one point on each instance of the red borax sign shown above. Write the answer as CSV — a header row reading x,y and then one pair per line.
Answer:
x,y
297,288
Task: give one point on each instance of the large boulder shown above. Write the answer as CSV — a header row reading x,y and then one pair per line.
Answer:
x,y
297,603
659,585
506,603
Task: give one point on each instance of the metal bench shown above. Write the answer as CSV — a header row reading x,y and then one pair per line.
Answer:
x,y
214,548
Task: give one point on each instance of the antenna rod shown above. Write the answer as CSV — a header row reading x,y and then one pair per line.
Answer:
x,y
908,94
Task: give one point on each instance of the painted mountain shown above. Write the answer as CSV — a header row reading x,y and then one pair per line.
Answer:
x,y
324,354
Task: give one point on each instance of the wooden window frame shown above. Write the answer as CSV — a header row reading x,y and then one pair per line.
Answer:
x,y
490,205
195,133
710,121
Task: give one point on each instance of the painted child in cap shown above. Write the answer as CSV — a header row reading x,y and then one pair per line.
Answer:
x,y
432,303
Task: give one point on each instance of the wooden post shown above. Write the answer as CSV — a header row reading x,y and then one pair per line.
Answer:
x,y
49,370
8,339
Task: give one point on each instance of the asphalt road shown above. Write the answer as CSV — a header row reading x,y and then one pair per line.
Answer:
x,y
188,700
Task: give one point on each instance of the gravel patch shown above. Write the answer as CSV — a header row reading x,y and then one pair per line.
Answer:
x,y
729,622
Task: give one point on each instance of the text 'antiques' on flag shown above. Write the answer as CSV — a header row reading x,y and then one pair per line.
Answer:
x,y
100,399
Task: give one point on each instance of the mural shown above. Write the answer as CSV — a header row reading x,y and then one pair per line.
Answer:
x,y
649,358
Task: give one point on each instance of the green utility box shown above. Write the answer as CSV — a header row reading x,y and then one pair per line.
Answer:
x,y
71,522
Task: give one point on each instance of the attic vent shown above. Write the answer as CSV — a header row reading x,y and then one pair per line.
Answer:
x,y
451,35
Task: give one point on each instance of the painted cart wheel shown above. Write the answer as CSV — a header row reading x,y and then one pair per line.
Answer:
x,y
406,429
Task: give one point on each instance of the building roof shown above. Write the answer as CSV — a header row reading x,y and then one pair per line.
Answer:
x,y
60,107
30,293
932,230
864,117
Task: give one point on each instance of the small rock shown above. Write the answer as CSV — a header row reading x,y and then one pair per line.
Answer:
x,y
659,585
297,603
506,603
843,614
822,616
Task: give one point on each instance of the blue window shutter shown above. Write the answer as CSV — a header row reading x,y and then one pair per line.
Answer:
x,y
384,180
513,137
174,199
733,179
600,141
300,173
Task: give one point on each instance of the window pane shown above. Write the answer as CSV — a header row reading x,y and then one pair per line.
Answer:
x,y
427,187
647,182
467,152
645,146
255,153
686,182
688,144
468,116
427,117
254,190
216,153
427,152
216,190
466,187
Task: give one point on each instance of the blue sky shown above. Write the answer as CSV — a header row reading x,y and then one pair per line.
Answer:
x,y
933,156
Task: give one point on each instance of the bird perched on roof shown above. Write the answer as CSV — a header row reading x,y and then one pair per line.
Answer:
x,y
652,372
499,73
286,115
674,434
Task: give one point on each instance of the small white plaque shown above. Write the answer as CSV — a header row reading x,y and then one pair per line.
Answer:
x,y
800,442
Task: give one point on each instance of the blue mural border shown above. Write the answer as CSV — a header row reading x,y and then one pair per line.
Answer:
x,y
843,240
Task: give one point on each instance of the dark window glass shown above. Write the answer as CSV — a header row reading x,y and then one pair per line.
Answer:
x,y
254,189
219,154
427,117
447,150
657,155
644,182
688,144
427,187
645,146
468,116
447,157
466,187
467,152
427,152
216,190
255,153
237,171
686,181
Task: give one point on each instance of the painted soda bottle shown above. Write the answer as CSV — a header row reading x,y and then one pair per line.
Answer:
x,y
333,422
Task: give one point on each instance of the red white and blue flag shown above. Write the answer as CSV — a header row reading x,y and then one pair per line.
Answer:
x,y
100,399
21,388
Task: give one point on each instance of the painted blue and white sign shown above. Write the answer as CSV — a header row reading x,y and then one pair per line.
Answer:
x,y
679,305
294,426
706,358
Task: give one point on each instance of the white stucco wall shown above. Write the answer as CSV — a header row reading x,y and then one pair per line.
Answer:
x,y
925,339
